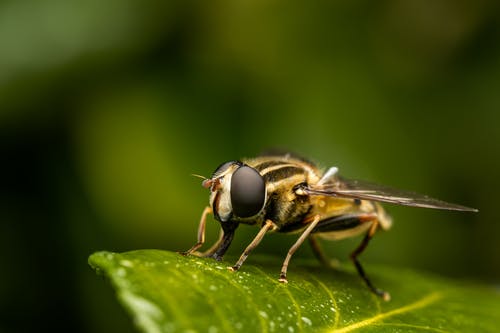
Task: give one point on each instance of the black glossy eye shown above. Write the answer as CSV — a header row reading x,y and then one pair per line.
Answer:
x,y
248,192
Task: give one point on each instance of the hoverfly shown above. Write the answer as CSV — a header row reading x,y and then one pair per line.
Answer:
x,y
285,193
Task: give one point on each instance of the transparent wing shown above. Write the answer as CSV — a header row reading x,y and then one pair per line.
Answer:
x,y
347,188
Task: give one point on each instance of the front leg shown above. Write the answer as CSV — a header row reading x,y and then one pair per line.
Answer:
x,y
227,238
201,232
209,253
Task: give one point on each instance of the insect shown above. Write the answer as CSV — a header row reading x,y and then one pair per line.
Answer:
x,y
286,193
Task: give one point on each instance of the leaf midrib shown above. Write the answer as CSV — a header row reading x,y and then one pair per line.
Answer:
x,y
426,300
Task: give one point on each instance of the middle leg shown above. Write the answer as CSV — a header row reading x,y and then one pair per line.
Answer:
x,y
295,246
267,225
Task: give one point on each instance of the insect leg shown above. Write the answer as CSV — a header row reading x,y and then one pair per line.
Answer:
x,y
319,253
267,225
201,232
227,238
213,248
295,246
354,256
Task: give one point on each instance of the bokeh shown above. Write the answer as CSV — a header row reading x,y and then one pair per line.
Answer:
x,y
108,107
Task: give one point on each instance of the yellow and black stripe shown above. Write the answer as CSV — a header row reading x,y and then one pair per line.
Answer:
x,y
286,209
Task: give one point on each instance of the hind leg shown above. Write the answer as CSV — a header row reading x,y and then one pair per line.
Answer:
x,y
354,256
320,254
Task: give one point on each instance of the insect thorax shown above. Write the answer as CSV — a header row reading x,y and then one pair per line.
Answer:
x,y
283,206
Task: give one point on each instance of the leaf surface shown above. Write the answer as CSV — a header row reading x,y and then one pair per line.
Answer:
x,y
166,292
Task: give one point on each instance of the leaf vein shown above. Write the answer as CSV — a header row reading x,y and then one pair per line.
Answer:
x,y
222,318
425,328
431,298
334,301
256,308
293,300
169,300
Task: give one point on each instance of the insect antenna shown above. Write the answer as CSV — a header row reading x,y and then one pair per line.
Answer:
x,y
199,176
207,183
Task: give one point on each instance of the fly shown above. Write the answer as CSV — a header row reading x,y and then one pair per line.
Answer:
x,y
288,194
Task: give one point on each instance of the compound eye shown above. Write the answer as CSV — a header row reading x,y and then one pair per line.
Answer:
x,y
223,167
248,192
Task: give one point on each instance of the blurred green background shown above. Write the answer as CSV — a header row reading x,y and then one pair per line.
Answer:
x,y
106,108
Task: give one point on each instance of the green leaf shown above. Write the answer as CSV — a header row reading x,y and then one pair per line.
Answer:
x,y
166,292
